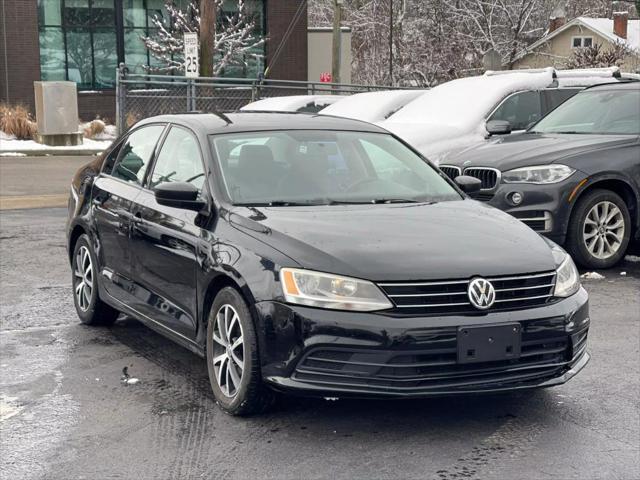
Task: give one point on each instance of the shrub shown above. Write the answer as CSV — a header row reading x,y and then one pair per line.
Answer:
x,y
17,121
94,128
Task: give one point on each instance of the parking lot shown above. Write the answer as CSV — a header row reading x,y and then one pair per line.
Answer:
x,y
66,413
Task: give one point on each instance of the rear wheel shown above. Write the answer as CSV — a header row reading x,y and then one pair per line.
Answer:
x,y
599,229
90,309
232,356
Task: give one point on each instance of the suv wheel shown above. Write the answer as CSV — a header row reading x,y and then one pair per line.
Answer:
x,y
232,356
599,229
90,309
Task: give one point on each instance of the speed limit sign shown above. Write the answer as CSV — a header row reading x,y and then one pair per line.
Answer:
x,y
191,63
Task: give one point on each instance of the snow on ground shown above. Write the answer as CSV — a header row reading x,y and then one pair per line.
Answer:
x,y
292,103
26,145
452,113
372,106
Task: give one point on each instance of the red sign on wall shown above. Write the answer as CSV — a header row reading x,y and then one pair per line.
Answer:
x,y
325,77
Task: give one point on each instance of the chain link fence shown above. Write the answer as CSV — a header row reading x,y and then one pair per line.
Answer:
x,y
140,96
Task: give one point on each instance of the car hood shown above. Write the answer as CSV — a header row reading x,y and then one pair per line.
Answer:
x,y
455,239
520,150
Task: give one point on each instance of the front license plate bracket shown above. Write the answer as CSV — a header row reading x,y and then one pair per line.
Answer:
x,y
489,343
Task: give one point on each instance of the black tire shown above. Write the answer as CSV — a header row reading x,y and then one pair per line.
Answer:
x,y
575,243
251,396
91,310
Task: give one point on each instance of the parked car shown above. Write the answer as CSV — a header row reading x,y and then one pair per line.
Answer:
x,y
574,176
293,103
330,259
372,106
459,113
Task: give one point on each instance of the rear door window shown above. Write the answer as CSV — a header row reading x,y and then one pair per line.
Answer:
x,y
520,110
135,154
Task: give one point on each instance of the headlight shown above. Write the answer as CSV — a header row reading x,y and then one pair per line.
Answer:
x,y
324,290
539,174
567,278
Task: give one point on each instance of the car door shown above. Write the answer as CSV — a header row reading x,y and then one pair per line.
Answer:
x,y
520,109
165,239
113,193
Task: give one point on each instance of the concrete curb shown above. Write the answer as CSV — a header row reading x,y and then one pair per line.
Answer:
x,y
52,152
33,201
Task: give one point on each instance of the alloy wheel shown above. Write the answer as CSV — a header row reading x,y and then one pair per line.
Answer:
x,y
228,350
603,230
83,273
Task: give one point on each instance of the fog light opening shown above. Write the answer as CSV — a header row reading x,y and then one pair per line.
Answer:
x,y
516,198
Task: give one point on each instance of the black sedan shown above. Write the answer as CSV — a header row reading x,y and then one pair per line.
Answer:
x,y
574,177
321,256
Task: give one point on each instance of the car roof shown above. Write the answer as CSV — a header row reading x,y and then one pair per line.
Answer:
x,y
619,85
247,121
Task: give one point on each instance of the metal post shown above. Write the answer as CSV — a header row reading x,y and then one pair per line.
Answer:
x,y
121,97
391,42
337,41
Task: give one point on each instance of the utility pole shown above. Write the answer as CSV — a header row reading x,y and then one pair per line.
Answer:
x,y
337,41
391,42
207,36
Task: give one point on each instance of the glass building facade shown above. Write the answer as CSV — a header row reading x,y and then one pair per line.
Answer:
x,y
84,40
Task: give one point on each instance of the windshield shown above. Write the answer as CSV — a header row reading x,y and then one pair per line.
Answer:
x,y
312,167
596,112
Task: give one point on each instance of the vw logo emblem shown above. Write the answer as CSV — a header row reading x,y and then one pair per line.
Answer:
x,y
481,293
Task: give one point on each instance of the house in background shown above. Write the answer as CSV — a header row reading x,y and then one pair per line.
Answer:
x,y
560,41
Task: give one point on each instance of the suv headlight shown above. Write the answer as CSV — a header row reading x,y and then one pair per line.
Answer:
x,y
539,174
324,290
567,278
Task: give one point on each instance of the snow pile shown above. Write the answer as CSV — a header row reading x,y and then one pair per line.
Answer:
x,y
5,136
592,276
444,115
372,106
586,77
292,103
632,258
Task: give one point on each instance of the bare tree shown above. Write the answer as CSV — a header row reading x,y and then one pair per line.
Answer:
x,y
234,42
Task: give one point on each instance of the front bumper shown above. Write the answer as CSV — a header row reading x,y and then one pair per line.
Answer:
x,y
545,208
330,353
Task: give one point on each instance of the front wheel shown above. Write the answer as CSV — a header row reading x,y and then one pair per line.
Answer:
x,y
599,229
232,356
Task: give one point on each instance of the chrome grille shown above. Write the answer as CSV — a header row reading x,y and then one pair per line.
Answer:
x,y
488,176
450,297
451,171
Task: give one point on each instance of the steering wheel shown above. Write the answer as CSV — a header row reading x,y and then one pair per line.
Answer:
x,y
191,179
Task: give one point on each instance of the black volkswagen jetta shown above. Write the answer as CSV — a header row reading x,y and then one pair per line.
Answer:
x,y
320,256
574,176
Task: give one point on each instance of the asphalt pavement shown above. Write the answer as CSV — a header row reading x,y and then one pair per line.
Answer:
x,y
65,414
39,181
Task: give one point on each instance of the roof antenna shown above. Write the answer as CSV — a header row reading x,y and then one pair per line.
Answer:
x,y
223,117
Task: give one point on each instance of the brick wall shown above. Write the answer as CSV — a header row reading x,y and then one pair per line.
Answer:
x,y
102,104
291,63
19,51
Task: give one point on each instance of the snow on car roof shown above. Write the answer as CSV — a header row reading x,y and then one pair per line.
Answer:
x,y
371,106
464,103
291,103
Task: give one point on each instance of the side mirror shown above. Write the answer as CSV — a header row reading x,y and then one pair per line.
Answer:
x,y
498,127
179,195
468,185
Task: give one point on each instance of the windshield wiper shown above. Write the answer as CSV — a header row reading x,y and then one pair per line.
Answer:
x,y
278,203
373,201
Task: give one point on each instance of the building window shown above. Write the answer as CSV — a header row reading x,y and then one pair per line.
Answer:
x,y
581,42
78,42
79,39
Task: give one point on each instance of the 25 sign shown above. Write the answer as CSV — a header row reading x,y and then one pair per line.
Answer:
x,y
191,59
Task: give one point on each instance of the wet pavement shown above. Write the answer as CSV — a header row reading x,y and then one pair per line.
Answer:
x,y
64,412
